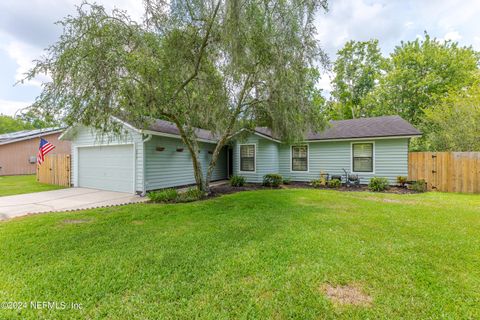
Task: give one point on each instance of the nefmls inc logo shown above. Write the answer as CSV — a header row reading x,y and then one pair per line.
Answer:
x,y
54,305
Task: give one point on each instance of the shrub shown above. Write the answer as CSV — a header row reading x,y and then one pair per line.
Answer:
x,y
419,186
237,181
286,181
272,180
190,195
402,180
316,183
335,183
166,195
378,184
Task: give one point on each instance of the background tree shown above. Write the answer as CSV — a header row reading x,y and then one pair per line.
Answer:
x,y
11,124
38,120
357,68
454,123
420,74
215,65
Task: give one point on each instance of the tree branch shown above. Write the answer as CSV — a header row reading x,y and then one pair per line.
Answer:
x,y
200,54
224,138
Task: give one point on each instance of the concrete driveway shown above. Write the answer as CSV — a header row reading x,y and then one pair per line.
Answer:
x,y
62,200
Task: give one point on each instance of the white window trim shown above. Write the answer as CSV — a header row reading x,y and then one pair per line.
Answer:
x,y
308,158
134,147
240,158
373,157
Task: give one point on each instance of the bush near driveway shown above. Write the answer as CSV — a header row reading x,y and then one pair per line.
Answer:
x,y
263,254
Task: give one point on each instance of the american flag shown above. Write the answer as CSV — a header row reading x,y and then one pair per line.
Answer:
x,y
45,147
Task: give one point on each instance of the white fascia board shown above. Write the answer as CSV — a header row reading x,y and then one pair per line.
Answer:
x,y
366,138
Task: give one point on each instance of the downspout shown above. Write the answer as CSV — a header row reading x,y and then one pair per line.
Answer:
x,y
144,191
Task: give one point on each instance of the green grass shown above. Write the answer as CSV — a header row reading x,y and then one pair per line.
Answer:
x,y
256,255
10,185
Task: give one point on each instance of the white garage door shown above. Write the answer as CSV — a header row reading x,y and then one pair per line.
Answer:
x,y
106,168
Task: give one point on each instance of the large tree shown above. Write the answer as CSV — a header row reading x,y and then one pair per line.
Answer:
x,y
454,123
219,65
420,74
357,69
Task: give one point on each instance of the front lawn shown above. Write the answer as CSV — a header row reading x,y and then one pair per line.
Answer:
x,y
261,254
10,185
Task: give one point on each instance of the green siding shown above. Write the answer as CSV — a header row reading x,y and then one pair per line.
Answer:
x,y
266,158
170,168
391,159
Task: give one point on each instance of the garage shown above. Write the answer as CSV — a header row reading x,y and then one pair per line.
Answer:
x,y
106,168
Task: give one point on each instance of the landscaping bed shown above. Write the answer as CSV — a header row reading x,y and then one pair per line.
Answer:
x,y
228,189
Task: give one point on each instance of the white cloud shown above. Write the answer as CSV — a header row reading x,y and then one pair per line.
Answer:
x,y
409,24
453,36
24,54
325,83
9,107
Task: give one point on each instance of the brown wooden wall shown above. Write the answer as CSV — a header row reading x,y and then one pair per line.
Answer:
x,y
446,171
14,157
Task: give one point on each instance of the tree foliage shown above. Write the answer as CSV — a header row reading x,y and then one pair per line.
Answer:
x,y
11,124
421,73
454,123
424,81
357,69
222,65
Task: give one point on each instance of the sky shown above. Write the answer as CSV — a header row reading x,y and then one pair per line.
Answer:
x,y
27,27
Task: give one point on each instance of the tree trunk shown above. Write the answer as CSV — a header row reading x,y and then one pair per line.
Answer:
x,y
202,185
192,145
213,162
353,111
226,136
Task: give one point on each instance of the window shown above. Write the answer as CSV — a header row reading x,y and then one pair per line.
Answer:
x,y
299,158
362,154
247,157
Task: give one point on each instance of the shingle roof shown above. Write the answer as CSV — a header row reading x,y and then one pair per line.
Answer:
x,y
386,126
170,128
26,134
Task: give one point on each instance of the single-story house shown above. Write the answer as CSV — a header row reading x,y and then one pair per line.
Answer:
x,y
18,150
154,158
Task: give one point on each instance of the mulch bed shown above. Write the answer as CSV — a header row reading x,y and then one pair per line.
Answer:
x,y
218,190
227,189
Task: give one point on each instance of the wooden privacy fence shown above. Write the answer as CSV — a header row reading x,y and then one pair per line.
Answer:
x,y
446,171
55,170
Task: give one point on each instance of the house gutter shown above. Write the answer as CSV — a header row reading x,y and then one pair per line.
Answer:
x,y
144,191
